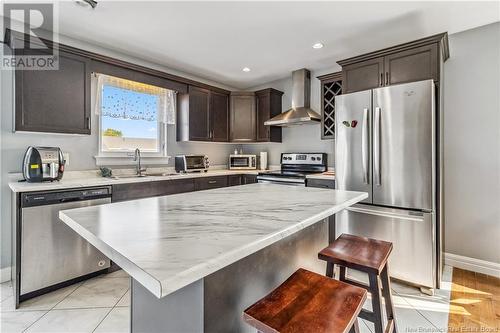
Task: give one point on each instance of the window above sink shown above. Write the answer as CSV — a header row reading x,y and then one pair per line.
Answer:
x,y
131,115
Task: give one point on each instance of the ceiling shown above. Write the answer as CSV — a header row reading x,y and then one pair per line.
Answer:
x,y
215,40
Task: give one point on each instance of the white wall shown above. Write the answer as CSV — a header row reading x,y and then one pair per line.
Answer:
x,y
304,138
472,144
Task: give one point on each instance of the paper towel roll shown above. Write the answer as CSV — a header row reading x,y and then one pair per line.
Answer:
x,y
263,160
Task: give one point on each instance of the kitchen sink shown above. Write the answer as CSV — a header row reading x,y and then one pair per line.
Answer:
x,y
129,176
153,174
158,174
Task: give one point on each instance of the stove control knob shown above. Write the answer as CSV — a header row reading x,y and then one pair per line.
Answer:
x,y
318,158
313,158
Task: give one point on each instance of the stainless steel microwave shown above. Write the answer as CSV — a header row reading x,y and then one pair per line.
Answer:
x,y
242,162
191,163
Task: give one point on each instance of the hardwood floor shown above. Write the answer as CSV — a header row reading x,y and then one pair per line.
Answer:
x,y
474,303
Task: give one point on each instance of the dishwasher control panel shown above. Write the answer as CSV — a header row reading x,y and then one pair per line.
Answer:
x,y
48,198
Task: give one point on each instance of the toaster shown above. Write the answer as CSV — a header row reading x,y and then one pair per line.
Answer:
x,y
43,164
191,163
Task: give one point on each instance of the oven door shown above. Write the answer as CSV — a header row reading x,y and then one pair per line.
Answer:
x,y
195,162
281,180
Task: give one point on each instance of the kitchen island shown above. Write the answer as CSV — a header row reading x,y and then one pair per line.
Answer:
x,y
198,259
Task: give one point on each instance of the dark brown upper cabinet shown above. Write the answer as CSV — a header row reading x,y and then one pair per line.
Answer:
x,y
199,114
54,101
417,64
219,111
331,86
268,102
202,115
363,75
242,117
413,61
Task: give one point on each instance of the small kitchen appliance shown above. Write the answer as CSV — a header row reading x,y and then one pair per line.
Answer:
x,y
294,169
43,164
242,162
191,163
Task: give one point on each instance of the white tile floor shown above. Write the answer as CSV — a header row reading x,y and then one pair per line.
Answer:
x,y
102,305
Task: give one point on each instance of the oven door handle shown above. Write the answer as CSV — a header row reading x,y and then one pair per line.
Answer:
x,y
281,180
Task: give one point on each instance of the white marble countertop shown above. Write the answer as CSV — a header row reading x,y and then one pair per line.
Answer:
x,y
91,178
76,179
166,243
321,176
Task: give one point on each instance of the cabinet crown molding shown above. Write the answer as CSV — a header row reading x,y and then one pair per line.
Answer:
x,y
441,38
330,76
268,91
16,36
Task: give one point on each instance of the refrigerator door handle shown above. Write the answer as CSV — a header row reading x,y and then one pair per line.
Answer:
x,y
414,216
376,147
364,147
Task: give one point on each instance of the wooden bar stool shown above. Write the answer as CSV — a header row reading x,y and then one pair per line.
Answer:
x,y
369,256
308,303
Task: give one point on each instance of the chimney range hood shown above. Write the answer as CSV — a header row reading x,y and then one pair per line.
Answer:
x,y
300,113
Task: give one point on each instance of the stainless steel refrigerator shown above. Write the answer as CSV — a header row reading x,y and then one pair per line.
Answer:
x,y
386,146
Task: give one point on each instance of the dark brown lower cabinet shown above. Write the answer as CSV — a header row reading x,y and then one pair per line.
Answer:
x,y
321,183
132,191
234,180
207,183
123,192
249,179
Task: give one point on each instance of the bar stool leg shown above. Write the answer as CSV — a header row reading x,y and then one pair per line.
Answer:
x,y
329,269
376,303
342,274
386,292
354,327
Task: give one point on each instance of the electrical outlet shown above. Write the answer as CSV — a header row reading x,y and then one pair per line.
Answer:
x,y
66,158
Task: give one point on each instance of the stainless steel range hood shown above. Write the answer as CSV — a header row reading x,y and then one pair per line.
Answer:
x,y
300,113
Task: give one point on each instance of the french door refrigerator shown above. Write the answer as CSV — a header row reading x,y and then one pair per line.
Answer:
x,y
385,145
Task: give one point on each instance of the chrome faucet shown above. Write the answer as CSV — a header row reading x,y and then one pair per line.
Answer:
x,y
137,158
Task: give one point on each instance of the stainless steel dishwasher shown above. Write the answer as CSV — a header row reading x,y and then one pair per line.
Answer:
x,y
52,253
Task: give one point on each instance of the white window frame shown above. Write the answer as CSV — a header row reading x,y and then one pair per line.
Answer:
x,y
126,157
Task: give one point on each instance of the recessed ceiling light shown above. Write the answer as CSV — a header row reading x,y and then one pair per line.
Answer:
x,y
318,46
246,69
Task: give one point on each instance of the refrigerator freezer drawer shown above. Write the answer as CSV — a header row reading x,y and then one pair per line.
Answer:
x,y
413,258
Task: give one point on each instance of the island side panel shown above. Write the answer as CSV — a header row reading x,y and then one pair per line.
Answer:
x,y
232,289
181,311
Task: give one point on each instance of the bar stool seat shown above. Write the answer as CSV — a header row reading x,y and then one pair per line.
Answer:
x,y
369,256
308,302
360,253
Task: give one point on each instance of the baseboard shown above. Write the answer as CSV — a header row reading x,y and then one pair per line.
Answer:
x,y
472,264
5,274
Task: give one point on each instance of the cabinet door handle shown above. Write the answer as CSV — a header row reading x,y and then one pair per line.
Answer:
x,y
381,79
212,181
386,78
88,122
